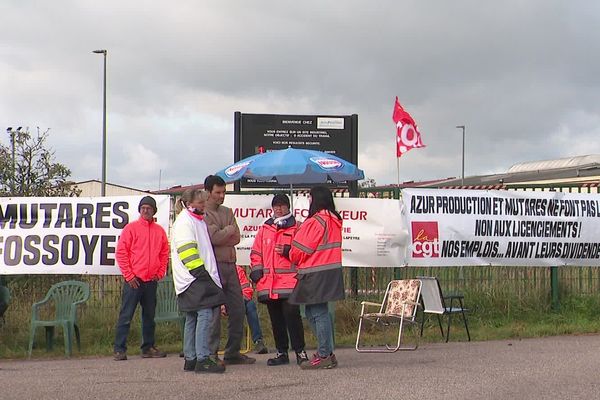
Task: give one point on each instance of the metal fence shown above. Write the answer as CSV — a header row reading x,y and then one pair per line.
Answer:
x,y
361,283
545,283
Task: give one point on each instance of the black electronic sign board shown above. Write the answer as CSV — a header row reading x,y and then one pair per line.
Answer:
x,y
259,133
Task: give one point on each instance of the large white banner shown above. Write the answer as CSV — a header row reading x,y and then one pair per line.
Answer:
x,y
67,235
372,228
475,227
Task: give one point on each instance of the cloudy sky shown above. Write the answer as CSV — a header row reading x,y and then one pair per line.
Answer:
x,y
523,76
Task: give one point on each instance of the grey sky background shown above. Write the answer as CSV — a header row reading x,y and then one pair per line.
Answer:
x,y
523,76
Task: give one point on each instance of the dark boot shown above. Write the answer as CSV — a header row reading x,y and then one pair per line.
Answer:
x,y
208,365
280,359
189,365
301,357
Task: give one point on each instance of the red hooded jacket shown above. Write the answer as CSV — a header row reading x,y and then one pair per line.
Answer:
x,y
143,251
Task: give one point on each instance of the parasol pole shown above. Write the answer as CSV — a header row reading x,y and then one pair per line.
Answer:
x,y
291,198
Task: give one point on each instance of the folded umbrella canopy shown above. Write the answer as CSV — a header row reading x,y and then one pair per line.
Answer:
x,y
292,167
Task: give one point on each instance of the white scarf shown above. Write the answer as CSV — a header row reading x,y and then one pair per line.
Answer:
x,y
281,220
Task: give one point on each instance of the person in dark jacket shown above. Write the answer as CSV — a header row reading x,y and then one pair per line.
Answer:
x,y
197,283
317,253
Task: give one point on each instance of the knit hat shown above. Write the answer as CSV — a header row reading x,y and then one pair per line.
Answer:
x,y
148,201
280,199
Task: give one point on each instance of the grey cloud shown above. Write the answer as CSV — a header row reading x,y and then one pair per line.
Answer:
x,y
513,72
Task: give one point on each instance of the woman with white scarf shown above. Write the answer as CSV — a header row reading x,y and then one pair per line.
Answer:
x,y
196,279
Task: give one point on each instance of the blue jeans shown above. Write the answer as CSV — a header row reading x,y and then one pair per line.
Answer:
x,y
320,322
253,322
198,326
145,295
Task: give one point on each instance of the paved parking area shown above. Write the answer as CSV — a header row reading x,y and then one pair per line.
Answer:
x,y
565,367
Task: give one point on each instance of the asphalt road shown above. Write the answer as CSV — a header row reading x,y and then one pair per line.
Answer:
x,y
565,367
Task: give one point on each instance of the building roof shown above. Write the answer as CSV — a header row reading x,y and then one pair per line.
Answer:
x,y
178,189
109,184
559,163
580,170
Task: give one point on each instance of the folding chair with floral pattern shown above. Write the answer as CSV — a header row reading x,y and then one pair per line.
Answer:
x,y
399,306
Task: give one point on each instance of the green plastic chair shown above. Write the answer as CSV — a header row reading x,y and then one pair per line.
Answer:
x,y
4,301
64,297
166,304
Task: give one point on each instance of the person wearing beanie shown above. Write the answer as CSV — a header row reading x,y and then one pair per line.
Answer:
x,y
275,279
281,199
142,255
148,201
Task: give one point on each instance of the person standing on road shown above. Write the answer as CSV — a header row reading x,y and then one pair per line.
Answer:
x,y
142,255
275,280
224,235
196,279
317,252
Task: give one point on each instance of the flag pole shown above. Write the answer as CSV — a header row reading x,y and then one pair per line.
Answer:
x,y
398,169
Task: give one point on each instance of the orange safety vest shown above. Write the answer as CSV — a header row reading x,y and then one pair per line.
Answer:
x,y
317,245
279,275
247,290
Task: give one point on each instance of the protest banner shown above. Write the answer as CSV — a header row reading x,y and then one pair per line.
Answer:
x,y
372,228
67,235
510,228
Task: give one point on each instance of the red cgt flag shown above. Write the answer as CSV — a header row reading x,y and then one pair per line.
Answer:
x,y
407,134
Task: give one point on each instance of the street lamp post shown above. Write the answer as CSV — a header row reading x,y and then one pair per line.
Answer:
x,y
463,153
13,176
103,190
11,133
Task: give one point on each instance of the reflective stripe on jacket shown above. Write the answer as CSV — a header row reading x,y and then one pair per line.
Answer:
x,y
317,245
247,290
317,252
279,275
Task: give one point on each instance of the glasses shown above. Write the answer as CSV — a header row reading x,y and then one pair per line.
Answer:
x,y
279,205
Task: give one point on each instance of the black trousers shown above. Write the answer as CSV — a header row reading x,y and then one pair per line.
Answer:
x,y
286,319
236,311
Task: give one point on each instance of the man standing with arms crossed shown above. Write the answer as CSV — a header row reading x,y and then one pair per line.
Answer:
x,y
224,235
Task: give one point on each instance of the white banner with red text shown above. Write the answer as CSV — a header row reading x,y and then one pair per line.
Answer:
x,y
505,228
372,228
67,235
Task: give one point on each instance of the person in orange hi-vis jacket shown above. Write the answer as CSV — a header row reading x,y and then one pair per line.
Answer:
x,y
317,253
275,279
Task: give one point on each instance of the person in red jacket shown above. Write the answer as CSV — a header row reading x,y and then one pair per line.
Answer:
x,y
142,255
317,253
275,280
251,313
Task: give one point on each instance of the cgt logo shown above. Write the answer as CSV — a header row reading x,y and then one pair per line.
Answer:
x,y
425,243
